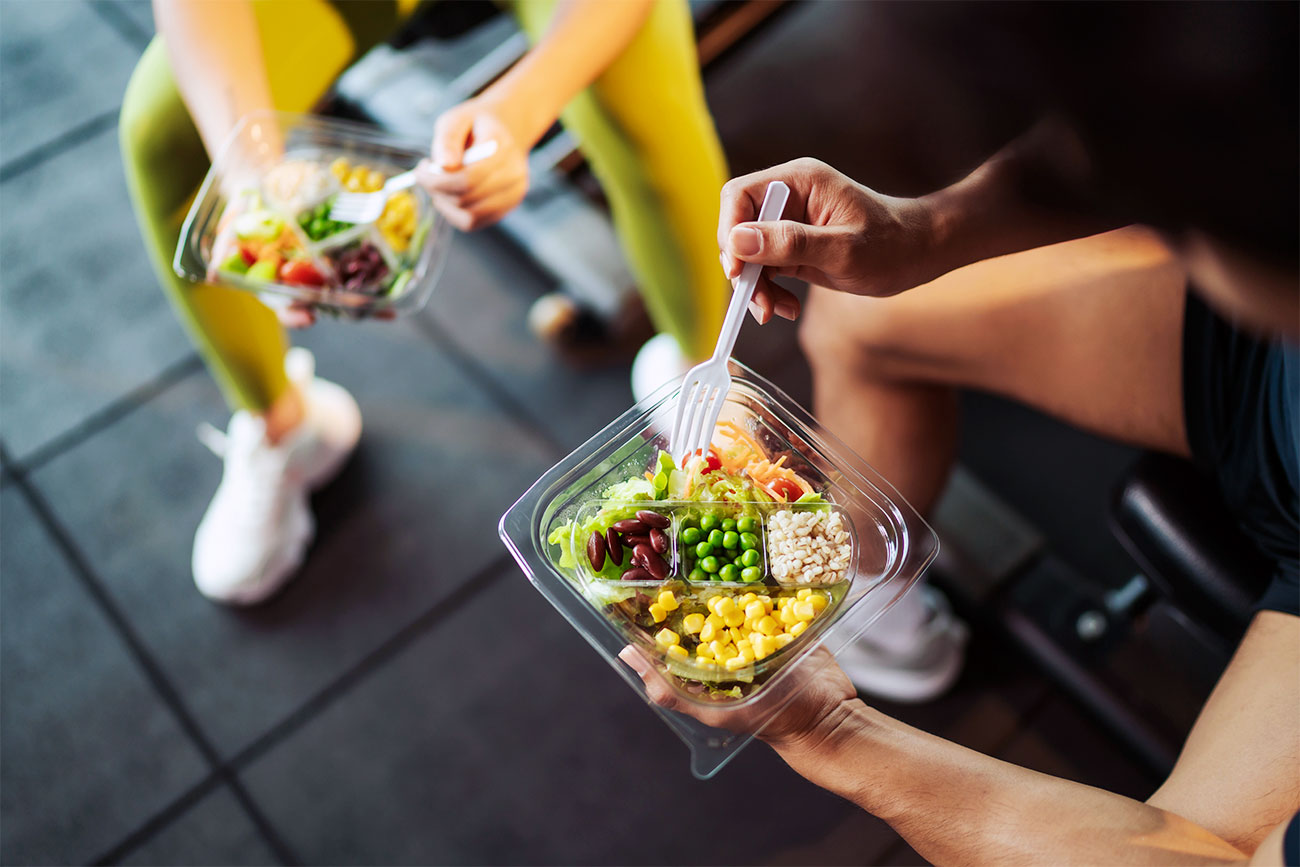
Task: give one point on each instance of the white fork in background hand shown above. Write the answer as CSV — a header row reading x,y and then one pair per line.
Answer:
x,y
366,207
706,385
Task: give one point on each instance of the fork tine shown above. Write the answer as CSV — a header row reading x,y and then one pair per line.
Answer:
x,y
708,419
675,440
699,416
682,444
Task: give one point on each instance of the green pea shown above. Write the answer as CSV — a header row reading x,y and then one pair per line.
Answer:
x,y
691,535
730,539
729,572
715,538
690,522
697,576
750,558
747,524
750,574
709,523
748,541
728,525
703,549
710,564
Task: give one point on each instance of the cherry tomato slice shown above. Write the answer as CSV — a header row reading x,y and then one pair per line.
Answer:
x,y
300,272
787,489
711,463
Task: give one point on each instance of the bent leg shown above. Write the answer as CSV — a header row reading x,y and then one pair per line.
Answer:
x,y
1089,331
645,128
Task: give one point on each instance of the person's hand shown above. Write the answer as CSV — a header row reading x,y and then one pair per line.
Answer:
x,y
835,233
481,193
823,693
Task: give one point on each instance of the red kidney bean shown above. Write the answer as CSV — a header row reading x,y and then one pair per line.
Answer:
x,y
659,541
633,541
596,551
637,574
615,546
631,526
652,562
653,519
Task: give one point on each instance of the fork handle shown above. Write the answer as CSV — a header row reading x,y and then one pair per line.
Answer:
x,y
475,153
774,200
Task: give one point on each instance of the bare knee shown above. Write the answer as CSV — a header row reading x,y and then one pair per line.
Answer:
x,y
859,337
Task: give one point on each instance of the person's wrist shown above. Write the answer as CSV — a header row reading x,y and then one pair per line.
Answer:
x,y
823,738
526,112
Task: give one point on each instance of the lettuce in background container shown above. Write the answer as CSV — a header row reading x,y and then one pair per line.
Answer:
x,y
260,222
598,488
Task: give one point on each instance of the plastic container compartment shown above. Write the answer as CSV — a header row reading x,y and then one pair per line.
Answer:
x,y
238,182
890,546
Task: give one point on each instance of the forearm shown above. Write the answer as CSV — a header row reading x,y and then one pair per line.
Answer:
x,y
584,37
956,806
216,57
1032,193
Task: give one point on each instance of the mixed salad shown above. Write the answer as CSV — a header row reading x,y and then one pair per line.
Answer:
x,y
720,563
278,232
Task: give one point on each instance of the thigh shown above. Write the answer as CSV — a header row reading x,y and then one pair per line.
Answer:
x,y
1088,330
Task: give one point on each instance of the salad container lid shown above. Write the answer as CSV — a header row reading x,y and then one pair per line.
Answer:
x,y
603,485
261,220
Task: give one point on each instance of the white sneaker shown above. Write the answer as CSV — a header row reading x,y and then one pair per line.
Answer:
x,y
658,361
257,528
919,673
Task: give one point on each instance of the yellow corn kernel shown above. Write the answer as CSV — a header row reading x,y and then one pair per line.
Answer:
x,y
754,610
724,606
767,601
735,634
798,628
748,655
819,602
340,168
787,616
804,593
693,623
746,599
735,617
705,650
708,631
676,651
804,610
352,184
657,612
736,663
727,653
768,626
703,660
668,601
751,624
762,645
716,648
743,644
667,637
782,640
780,602
374,181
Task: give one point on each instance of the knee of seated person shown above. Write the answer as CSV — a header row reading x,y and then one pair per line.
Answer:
x,y
862,336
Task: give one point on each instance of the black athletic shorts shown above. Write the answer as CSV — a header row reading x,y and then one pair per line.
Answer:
x,y
1241,399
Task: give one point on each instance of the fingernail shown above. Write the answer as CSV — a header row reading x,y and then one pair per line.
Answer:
x,y
786,309
745,241
756,311
722,260
632,658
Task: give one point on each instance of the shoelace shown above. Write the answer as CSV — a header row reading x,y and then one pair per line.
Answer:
x,y
214,439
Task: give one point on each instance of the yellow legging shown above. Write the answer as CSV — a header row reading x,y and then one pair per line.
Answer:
x,y
643,126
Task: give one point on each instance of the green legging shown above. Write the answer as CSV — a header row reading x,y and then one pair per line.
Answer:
x,y
643,126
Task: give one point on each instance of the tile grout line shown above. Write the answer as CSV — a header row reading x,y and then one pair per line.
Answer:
x,y
160,820
59,144
471,367
313,705
103,418
122,24
152,670
391,647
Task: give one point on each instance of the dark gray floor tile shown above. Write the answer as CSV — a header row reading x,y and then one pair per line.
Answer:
x,y
46,93
1061,741
214,831
84,320
90,752
500,737
482,302
409,520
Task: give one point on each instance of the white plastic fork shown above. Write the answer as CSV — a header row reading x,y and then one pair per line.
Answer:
x,y
705,386
366,207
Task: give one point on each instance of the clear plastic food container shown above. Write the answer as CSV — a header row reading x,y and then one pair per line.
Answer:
x,y
868,548
261,221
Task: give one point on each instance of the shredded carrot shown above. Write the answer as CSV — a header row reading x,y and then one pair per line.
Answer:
x,y
650,477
